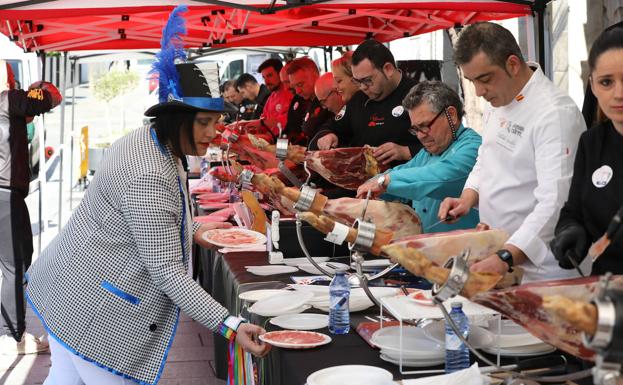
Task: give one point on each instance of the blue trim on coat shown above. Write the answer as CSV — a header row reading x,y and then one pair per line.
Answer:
x,y
87,359
120,293
166,352
154,136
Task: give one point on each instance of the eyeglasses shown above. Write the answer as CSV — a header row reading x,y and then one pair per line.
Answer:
x,y
323,101
425,129
367,81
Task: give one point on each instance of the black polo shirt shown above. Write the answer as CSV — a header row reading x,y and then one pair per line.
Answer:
x,y
363,121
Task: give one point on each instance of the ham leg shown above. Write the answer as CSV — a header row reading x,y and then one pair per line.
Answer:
x,y
295,153
398,218
530,306
345,167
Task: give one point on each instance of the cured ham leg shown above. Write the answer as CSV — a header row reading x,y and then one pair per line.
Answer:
x,y
439,246
582,316
295,153
325,225
345,167
530,305
417,263
398,218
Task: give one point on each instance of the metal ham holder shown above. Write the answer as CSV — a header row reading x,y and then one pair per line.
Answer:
x,y
229,136
459,274
281,152
364,241
608,339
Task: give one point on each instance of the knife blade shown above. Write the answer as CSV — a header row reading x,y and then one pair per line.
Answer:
x,y
446,219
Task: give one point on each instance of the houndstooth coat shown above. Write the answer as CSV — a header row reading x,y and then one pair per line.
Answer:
x,y
111,284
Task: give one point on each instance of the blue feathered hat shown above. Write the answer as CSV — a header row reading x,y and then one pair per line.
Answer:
x,y
183,87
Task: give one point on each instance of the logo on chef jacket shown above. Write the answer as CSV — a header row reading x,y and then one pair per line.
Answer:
x,y
296,106
340,114
509,134
316,111
306,117
397,111
376,121
278,107
602,176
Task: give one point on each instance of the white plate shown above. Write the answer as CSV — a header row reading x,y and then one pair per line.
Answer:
x,y
378,292
351,375
298,261
478,337
512,334
523,351
305,321
415,343
280,303
258,238
269,339
311,269
317,290
256,295
278,312
419,363
271,269
373,264
354,304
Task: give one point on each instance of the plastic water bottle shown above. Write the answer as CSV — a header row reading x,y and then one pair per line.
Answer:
x,y
205,166
339,292
457,353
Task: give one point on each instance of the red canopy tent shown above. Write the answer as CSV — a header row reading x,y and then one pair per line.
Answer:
x,y
75,25
71,25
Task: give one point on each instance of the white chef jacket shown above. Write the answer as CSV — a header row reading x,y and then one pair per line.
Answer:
x,y
524,169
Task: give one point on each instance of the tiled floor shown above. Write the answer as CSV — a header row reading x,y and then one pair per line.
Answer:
x,y
188,362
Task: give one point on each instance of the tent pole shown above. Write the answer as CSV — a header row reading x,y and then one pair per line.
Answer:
x,y
74,66
42,165
61,148
540,13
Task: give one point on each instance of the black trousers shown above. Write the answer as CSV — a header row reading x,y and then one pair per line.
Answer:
x,y
15,257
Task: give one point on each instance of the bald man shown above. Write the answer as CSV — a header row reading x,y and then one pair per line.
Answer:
x,y
327,93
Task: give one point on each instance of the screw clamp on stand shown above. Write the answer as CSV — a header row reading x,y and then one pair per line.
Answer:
x,y
281,152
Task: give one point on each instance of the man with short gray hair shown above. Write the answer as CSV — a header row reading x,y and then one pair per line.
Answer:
x,y
441,167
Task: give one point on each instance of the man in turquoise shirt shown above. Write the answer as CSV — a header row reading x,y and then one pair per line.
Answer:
x,y
440,168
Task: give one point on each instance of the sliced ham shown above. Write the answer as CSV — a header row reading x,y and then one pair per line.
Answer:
x,y
438,247
345,167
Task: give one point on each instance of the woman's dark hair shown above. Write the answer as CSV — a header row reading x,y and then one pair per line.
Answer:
x,y
611,38
170,126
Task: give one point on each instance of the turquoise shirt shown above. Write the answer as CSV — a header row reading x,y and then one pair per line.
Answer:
x,y
427,179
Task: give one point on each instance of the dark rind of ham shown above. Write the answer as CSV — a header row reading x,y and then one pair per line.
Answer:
x,y
523,304
344,167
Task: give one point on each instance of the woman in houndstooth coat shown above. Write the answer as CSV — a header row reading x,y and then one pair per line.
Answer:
x,y
109,288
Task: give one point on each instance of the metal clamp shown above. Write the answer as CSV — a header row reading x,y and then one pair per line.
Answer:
x,y
365,236
304,203
299,235
281,148
244,179
459,273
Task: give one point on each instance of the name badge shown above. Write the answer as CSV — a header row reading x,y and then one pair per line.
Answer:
x,y
602,176
509,134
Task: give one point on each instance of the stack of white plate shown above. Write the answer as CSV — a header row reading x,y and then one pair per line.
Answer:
x,y
516,341
417,349
311,269
299,261
288,302
256,295
351,375
478,337
303,321
358,300
271,269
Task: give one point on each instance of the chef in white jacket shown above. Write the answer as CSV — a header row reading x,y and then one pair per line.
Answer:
x,y
522,175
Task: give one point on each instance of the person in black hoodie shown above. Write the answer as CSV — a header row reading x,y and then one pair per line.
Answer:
x,y
374,116
596,192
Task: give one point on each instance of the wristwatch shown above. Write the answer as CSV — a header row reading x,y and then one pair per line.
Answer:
x,y
381,180
506,256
